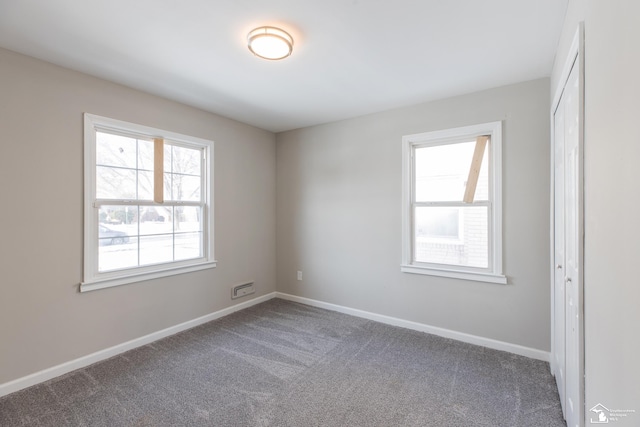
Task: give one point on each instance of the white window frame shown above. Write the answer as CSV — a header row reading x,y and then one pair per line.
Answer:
x,y
93,279
494,272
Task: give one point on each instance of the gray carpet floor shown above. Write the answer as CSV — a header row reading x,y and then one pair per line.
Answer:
x,y
286,364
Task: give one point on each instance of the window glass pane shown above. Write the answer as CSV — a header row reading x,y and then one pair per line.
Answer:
x,y
439,222
115,183
156,249
117,256
123,218
186,161
188,246
482,189
156,220
188,218
145,185
117,231
452,235
167,186
167,157
441,172
145,155
185,188
115,150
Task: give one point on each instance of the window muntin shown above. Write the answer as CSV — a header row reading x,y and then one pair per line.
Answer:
x,y
442,233
129,234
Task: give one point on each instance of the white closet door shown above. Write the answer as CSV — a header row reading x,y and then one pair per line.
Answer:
x,y
558,283
567,358
573,250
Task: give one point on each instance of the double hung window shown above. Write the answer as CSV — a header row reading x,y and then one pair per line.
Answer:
x,y
148,203
452,203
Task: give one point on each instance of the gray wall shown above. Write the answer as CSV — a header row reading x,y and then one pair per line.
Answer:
x,y
612,229
44,321
339,217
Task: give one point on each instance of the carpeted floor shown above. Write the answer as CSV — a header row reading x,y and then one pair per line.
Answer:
x,y
286,364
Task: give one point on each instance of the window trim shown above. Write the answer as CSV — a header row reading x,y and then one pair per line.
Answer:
x,y
92,278
494,274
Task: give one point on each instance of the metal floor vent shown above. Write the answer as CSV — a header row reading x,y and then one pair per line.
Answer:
x,y
242,290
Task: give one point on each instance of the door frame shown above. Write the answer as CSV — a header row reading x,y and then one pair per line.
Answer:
x,y
575,57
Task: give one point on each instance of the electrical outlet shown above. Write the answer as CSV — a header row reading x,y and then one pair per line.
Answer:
x,y
299,275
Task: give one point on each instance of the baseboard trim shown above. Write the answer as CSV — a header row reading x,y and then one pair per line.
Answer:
x,y
446,333
81,362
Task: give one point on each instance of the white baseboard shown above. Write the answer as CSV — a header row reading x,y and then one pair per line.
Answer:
x,y
447,333
47,374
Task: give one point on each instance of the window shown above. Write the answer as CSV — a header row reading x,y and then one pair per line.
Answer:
x,y
452,207
148,203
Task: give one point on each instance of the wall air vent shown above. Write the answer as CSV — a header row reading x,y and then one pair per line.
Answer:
x,y
242,290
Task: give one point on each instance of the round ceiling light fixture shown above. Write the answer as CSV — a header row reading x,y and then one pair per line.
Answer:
x,y
270,43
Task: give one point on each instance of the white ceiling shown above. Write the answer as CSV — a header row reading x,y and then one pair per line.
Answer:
x,y
351,57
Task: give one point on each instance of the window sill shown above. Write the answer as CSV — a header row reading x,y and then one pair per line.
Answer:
x,y
464,275
94,285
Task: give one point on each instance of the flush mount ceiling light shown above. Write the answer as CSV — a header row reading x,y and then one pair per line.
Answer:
x,y
270,43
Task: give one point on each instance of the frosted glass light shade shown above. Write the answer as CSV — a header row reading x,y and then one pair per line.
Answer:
x,y
270,43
